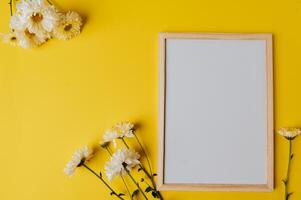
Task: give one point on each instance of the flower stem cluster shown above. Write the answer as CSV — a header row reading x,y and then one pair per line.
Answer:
x,y
122,162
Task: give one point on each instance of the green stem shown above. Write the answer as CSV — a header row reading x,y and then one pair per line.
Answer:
x,y
104,182
286,181
108,150
139,188
150,176
144,152
11,7
49,2
125,144
152,180
127,189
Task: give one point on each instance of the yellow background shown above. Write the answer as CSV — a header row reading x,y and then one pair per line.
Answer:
x,y
62,95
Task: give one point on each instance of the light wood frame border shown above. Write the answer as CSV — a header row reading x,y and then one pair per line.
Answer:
x,y
269,186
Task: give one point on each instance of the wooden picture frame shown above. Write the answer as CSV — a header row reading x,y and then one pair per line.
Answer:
x,y
269,184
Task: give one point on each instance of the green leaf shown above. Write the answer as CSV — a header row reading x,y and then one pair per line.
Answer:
x,y
105,144
148,189
135,193
155,194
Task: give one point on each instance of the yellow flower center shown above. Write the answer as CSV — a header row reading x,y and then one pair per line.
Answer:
x,y
68,27
29,34
36,17
13,38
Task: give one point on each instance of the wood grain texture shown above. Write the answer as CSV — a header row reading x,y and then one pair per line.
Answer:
x,y
269,186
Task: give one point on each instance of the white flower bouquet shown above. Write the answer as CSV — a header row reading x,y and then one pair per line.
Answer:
x,y
121,164
36,21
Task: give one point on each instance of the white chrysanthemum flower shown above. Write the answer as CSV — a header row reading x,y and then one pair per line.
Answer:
x,y
17,22
124,129
28,39
37,16
69,26
115,167
10,38
110,135
289,133
118,131
79,157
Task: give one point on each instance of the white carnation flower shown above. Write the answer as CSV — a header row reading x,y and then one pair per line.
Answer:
x,y
289,133
110,135
79,157
115,166
37,16
69,26
124,129
28,39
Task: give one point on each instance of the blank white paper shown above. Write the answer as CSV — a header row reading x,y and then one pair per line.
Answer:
x,y
215,117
